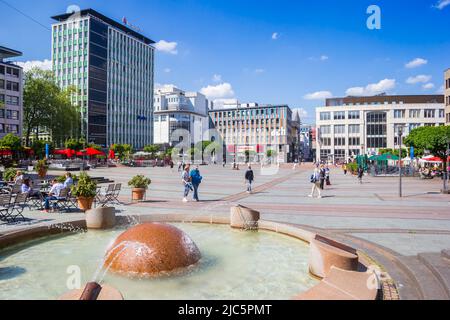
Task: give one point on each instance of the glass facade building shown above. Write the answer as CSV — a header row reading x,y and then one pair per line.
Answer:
x,y
112,68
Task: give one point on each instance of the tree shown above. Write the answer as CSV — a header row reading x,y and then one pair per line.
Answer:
x,y
46,106
436,140
38,147
75,144
152,149
11,142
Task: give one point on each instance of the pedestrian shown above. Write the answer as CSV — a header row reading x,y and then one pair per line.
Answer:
x,y
249,178
327,176
186,180
345,168
196,180
322,177
315,180
360,174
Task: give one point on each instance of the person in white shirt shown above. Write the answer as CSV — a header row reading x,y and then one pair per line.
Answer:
x,y
18,179
54,193
69,180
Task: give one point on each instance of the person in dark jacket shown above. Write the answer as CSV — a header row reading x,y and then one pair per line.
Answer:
x,y
196,180
249,178
322,177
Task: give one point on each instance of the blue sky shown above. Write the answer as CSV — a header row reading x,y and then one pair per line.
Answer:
x,y
294,52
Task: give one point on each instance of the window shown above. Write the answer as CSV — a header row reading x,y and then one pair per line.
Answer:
x,y
2,69
441,113
399,114
430,113
12,114
414,113
325,142
324,116
413,126
339,129
325,130
2,98
354,115
354,141
339,154
339,142
2,84
339,115
14,101
354,129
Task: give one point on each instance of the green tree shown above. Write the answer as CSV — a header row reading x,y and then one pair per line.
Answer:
x,y
46,106
152,149
11,142
436,140
38,147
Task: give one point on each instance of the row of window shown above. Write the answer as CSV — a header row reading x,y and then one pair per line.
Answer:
x,y
9,71
9,85
340,142
9,128
248,113
398,114
341,129
247,122
338,153
9,100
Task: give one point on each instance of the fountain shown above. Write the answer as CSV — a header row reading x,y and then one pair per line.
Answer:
x,y
151,249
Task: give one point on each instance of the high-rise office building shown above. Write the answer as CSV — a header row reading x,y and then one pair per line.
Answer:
x,y
112,67
11,94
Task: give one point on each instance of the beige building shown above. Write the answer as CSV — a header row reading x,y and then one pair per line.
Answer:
x,y
447,96
347,127
256,129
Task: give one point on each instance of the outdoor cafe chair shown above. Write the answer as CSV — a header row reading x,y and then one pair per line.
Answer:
x,y
107,198
62,202
5,203
36,200
16,208
117,190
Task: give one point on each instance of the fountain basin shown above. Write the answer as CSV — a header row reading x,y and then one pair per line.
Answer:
x,y
235,265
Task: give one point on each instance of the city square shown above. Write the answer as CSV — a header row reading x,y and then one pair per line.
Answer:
x,y
238,151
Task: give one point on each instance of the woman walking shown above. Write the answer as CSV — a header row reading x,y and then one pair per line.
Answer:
x,y
316,181
186,180
249,178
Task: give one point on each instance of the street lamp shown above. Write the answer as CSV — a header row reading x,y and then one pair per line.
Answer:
x,y
400,143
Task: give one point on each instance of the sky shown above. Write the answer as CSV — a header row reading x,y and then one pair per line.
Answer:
x,y
294,52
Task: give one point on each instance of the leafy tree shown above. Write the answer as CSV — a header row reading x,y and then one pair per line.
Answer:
x,y
152,149
436,140
270,153
75,144
38,147
123,151
11,142
46,106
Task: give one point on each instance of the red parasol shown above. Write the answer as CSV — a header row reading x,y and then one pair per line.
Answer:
x,y
94,152
112,154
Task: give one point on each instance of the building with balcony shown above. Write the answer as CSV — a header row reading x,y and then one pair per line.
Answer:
x,y
112,67
255,129
179,117
347,127
11,93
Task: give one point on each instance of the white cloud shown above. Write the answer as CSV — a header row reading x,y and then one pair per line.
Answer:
x,y
220,91
159,86
428,86
319,95
217,78
275,36
28,65
167,47
440,90
167,70
323,58
259,71
372,89
416,63
442,4
422,78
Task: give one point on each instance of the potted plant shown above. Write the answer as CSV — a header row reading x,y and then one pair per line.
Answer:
x,y
9,174
41,168
85,191
140,185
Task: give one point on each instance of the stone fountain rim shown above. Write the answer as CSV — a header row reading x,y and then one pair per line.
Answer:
x,y
29,233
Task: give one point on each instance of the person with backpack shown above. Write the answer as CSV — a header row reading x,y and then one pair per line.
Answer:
x,y
196,180
186,180
249,178
316,180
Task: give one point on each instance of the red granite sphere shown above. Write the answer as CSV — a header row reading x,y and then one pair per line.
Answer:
x,y
151,249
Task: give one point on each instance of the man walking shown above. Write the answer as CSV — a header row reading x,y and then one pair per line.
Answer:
x,y
322,174
196,180
249,178
316,181
186,180
360,174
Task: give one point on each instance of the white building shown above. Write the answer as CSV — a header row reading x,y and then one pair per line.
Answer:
x,y
175,109
351,126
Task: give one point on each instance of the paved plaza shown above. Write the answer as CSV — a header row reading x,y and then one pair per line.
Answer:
x,y
370,217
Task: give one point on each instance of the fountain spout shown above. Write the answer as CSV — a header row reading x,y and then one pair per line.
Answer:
x,y
91,292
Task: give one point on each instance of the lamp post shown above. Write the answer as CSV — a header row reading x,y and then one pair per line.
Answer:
x,y
400,143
